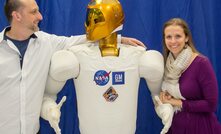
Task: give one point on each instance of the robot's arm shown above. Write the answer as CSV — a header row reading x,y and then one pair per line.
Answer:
x,y
152,69
64,65
51,112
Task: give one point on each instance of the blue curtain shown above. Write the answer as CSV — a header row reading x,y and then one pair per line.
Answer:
x,y
144,21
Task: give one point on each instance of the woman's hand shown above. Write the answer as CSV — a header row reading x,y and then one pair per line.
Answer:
x,y
165,97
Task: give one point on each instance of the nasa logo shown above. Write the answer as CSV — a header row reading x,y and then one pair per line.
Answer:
x,y
118,78
101,77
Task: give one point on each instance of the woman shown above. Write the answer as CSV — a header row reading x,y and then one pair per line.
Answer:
x,y
190,84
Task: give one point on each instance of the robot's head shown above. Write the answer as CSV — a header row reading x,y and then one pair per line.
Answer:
x,y
103,17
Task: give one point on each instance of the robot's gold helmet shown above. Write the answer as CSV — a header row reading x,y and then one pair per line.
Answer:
x,y
103,17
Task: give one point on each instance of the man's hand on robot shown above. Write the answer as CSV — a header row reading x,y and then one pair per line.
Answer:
x,y
132,41
165,112
54,119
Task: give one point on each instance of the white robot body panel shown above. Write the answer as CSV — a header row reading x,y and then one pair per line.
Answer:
x,y
64,69
107,89
151,68
64,66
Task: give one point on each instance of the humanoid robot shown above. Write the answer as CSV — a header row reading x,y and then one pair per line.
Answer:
x,y
106,75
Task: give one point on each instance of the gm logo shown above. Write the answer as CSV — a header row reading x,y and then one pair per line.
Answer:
x,y
118,78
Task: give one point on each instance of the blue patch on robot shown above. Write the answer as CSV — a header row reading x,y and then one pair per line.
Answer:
x,y
118,78
101,77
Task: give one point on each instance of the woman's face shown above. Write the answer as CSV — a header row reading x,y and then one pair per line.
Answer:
x,y
175,39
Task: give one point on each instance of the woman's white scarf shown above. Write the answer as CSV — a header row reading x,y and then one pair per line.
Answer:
x,y
173,71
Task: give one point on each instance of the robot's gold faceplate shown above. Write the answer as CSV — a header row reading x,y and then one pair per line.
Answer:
x,y
103,17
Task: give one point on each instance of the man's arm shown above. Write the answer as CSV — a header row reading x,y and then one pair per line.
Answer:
x,y
81,39
132,41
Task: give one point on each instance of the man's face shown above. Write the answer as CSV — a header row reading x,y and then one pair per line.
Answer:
x,y
30,15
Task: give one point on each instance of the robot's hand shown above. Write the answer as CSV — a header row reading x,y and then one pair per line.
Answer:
x,y
54,116
165,112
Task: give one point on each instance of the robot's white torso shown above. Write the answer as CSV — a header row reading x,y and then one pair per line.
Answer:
x,y
107,89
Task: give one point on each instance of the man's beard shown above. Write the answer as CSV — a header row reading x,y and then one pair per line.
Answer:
x,y
34,28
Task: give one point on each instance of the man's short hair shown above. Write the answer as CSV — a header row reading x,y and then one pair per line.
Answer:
x,y
10,6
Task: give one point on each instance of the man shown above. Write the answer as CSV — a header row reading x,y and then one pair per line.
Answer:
x,y
25,54
106,75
